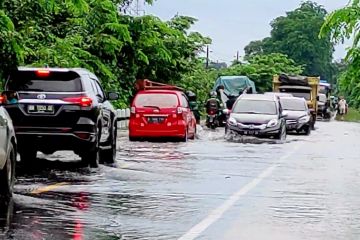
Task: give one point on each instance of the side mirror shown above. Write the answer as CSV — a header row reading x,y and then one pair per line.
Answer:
x,y
113,96
317,98
284,114
226,111
9,98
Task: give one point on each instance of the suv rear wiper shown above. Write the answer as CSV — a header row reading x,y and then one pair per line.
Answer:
x,y
152,107
252,112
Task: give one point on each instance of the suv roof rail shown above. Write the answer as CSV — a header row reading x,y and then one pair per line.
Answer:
x,y
146,84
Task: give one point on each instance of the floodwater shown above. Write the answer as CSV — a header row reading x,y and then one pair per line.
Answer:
x,y
304,188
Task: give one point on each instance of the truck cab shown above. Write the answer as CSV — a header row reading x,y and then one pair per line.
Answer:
x,y
300,86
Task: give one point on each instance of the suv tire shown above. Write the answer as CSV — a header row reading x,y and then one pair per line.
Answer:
x,y
109,155
92,157
7,175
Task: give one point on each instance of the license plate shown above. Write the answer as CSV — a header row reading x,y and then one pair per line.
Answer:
x,y
251,132
156,120
41,109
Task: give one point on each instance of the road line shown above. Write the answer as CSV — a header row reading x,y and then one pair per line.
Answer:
x,y
217,213
48,188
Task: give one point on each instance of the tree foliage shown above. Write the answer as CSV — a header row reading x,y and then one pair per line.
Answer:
x,y
97,36
296,35
344,24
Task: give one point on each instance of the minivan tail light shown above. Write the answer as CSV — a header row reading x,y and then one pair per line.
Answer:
x,y
81,101
133,110
179,110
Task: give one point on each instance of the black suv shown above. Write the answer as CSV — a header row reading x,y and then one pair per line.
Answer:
x,y
62,109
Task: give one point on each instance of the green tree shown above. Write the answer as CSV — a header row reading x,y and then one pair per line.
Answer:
x,y
97,36
296,35
344,24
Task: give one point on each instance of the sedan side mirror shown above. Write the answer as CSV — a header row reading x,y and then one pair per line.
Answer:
x,y
113,96
284,114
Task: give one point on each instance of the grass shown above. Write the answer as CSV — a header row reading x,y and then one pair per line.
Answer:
x,y
353,115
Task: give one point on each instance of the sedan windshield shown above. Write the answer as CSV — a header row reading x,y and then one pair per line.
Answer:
x,y
293,104
255,107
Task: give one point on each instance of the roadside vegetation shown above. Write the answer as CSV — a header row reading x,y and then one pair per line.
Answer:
x,y
101,36
353,115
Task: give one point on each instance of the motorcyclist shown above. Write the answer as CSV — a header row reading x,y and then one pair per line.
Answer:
x,y
213,106
194,106
213,102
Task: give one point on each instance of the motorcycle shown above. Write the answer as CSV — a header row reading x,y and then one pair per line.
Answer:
x,y
212,111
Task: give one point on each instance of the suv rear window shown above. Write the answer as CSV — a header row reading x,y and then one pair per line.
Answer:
x,y
162,100
54,82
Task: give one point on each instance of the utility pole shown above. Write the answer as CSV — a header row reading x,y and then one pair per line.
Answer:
x,y
207,56
237,56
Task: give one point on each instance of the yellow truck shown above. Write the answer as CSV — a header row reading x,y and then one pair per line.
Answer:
x,y
300,86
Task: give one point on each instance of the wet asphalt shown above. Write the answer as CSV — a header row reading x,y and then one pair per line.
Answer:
x,y
210,188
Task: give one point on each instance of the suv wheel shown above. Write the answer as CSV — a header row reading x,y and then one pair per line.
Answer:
x,y
109,155
92,157
7,175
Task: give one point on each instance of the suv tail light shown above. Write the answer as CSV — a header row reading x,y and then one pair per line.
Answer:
x,y
42,73
81,101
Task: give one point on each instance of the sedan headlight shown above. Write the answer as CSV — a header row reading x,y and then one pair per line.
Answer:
x,y
272,123
304,119
232,121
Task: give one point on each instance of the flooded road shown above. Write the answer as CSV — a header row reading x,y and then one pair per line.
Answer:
x,y
211,188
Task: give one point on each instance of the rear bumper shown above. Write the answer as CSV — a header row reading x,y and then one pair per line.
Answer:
x,y
51,139
140,130
156,133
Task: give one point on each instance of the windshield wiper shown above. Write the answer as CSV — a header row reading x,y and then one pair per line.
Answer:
x,y
150,106
251,112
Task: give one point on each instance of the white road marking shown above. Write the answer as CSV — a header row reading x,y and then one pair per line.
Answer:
x,y
217,213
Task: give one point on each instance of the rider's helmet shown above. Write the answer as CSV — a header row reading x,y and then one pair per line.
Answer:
x,y
213,94
191,95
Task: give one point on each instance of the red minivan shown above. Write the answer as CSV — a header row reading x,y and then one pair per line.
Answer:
x,y
160,113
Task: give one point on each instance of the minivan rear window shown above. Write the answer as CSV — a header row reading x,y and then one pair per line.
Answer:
x,y
161,100
54,82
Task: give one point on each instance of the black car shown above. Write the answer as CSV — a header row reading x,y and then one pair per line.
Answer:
x,y
8,147
62,109
298,117
257,115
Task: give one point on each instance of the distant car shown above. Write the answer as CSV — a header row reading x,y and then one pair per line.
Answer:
x,y
298,117
161,114
257,115
279,94
62,109
8,148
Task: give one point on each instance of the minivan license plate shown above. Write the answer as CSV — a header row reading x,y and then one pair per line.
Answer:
x,y
156,119
41,109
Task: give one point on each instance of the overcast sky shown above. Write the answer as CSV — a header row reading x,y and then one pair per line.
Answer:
x,y
232,24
